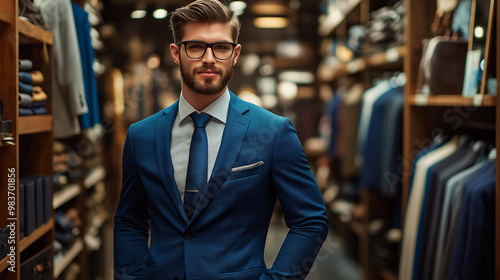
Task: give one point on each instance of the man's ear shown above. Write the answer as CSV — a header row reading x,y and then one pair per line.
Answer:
x,y
174,51
237,51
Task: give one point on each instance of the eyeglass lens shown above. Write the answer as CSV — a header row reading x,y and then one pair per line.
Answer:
x,y
220,50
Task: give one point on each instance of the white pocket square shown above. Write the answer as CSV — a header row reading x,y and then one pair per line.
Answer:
x,y
239,168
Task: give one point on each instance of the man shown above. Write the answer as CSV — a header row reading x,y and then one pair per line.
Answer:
x,y
249,158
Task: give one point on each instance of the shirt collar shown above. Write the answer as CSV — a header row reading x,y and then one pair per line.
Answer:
x,y
217,109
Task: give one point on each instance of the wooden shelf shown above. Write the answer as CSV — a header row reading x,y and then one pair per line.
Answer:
x,y
392,55
35,235
336,16
32,34
68,193
3,264
389,57
5,18
35,124
68,258
452,100
95,176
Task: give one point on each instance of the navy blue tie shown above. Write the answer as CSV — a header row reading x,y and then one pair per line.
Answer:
x,y
198,163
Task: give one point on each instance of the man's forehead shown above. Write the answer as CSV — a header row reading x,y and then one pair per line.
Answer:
x,y
208,32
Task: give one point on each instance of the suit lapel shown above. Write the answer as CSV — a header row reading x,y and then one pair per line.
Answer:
x,y
232,140
163,132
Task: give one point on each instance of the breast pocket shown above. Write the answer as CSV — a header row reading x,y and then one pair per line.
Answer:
x,y
245,171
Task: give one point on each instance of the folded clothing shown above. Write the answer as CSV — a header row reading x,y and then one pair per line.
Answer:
x,y
25,77
26,112
24,100
25,64
33,77
38,94
25,88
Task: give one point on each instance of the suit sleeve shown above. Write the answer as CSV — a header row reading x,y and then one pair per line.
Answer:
x,y
303,207
131,220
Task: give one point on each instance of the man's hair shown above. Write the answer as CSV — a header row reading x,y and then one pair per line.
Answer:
x,y
203,11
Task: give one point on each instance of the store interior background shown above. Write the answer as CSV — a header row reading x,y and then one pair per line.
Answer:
x,y
276,70
298,58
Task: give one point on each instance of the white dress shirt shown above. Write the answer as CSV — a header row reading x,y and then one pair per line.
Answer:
x,y
182,131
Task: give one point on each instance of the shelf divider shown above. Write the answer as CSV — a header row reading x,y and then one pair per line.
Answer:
x,y
68,258
68,193
452,100
32,34
35,124
36,234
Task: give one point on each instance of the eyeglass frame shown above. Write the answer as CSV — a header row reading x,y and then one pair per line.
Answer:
x,y
207,45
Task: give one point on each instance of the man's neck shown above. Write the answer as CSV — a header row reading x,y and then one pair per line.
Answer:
x,y
200,101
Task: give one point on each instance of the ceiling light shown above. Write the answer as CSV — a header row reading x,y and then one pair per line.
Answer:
x,y
238,7
160,14
269,9
137,14
270,22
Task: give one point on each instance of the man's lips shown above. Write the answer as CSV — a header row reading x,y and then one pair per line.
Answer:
x,y
208,73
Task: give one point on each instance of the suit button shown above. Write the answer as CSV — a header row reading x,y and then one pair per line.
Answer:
x,y
187,237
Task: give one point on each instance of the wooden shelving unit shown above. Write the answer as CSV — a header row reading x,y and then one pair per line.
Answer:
x,y
35,124
422,113
378,60
96,175
68,193
334,27
22,40
452,100
32,34
336,16
5,18
75,250
35,235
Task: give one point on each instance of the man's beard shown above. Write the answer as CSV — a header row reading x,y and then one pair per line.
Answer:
x,y
209,87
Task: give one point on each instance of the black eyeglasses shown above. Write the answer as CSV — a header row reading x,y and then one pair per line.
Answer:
x,y
196,49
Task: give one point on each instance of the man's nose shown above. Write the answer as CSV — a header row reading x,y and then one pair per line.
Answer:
x,y
209,56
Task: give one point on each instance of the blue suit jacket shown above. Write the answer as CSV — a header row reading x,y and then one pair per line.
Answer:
x,y
226,235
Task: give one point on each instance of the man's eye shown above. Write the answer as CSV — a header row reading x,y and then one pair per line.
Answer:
x,y
221,47
196,46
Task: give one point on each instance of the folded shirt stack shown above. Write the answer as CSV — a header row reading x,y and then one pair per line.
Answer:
x,y
32,98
